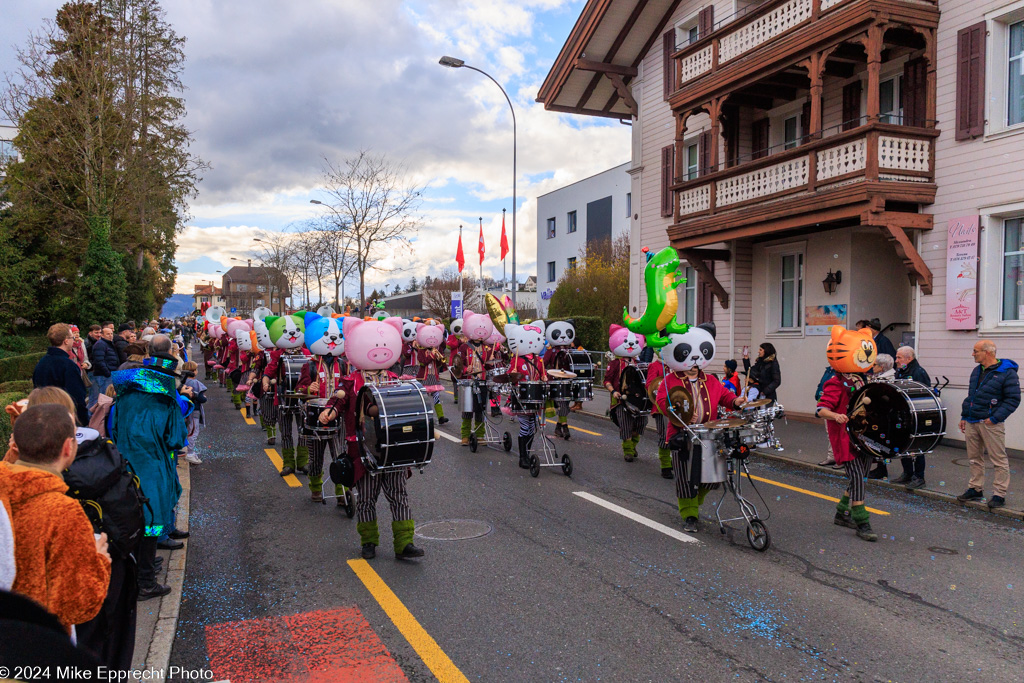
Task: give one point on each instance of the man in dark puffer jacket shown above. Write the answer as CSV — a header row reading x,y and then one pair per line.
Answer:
x,y
992,396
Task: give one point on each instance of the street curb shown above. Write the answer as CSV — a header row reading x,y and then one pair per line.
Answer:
x,y
923,493
158,658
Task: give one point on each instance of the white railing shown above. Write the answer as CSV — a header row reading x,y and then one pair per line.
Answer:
x,y
694,200
763,29
904,154
763,182
695,65
840,160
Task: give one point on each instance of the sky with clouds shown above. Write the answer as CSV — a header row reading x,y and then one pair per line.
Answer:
x,y
276,87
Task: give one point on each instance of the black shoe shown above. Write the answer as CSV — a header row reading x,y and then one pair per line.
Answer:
x,y
369,551
690,524
155,590
844,519
864,531
409,552
970,494
495,412
285,471
877,473
915,483
666,473
442,420
996,502
629,458
524,452
302,470
178,535
902,479
170,544
271,440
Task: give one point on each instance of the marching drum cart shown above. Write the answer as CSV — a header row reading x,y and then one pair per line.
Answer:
x,y
528,398
473,392
332,435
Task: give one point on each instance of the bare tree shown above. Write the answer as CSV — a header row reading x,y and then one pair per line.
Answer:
x,y
274,254
334,245
376,205
437,294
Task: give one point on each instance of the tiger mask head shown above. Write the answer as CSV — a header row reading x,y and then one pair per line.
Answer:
x,y
851,351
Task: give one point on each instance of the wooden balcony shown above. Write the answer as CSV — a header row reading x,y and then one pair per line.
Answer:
x,y
779,33
851,175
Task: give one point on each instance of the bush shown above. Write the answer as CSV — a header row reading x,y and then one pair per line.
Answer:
x,y
18,368
21,385
5,420
591,332
17,345
596,289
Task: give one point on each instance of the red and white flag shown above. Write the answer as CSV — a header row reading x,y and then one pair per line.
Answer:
x,y
460,257
481,247
504,240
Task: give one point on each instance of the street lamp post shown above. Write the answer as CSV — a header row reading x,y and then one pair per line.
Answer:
x,y
453,63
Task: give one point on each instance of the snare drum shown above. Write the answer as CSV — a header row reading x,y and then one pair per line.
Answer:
x,y
582,390
896,419
290,373
402,434
634,390
531,394
312,411
560,390
580,363
712,463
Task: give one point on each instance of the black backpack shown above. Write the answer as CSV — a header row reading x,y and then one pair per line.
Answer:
x,y
106,486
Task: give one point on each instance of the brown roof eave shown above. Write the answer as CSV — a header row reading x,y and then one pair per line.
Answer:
x,y
585,26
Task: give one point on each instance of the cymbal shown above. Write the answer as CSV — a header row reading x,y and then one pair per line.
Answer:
x,y
731,423
757,403
561,374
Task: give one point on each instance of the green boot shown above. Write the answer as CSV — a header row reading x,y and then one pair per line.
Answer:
x,y
271,433
339,490
368,532
861,517
439,410
288,457
236,398
301,457
316,482
467,427
688,507
403,530
665,458
843,517
629,450
479,431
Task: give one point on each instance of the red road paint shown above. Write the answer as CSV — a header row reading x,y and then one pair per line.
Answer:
x,y
327,646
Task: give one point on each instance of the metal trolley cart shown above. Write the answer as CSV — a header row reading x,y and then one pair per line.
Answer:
x,y
477,393
528,398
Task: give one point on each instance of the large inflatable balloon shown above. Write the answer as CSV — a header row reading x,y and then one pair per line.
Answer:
x,y
661,278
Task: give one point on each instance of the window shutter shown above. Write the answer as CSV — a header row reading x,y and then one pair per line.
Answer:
x,y
851,105
705,299
669,73
970,81
760,139
805,123
667,166
731,132
704,152
915,92
706,22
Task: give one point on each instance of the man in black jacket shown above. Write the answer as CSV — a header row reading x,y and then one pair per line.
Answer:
x,y
125,336
104,359
56,369
907,367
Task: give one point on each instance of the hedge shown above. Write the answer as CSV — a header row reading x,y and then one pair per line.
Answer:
x,y
18,368
5,419
17,386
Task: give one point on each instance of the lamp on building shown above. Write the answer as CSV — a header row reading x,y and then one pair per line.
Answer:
x,y
832,281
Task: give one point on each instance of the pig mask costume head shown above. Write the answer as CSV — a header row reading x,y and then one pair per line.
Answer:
x,y
372,344
429,336
477,326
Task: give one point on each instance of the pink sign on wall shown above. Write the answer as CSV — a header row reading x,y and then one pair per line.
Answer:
x,y
962,274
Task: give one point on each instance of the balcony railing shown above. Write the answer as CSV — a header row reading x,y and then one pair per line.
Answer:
x,y
743,34
874,152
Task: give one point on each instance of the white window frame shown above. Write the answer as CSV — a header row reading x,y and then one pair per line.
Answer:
x,y
571,222
897,98
997,70
773,289
687,28
691,171
990,271
685,313
552,271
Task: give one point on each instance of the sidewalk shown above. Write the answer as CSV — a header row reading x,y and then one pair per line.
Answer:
x,y
805,445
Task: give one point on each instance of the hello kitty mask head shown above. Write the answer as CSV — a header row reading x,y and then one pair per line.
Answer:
x,y
477,326
372,344
429,336
323,335
263,335
693,349
625,344
561,333
525,339
243,339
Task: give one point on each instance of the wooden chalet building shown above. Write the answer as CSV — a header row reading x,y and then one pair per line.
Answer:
x,y
777,142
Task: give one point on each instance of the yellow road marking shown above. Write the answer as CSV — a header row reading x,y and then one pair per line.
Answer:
x,y
449,392
248,420
426,647
291,479
585,431
809,493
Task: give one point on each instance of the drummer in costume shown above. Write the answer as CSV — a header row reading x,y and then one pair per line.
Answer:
x,y
372,347
471,363
626,346
851,354
265,399
655,375
288,334
499,357
322,378
561,335
236,329
429,362
526,342
685,357
246,341
452,343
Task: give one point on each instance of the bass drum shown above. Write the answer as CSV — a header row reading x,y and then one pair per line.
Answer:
x,y
580,363
896,419
402,433
634,389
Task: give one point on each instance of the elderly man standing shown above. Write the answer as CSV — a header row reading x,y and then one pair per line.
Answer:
x,y
907,367
56,369
992,396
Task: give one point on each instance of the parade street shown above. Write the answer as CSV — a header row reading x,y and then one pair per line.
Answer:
x,y
584,578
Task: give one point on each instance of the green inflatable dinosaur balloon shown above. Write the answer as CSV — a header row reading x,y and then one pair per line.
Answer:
x,y
661,278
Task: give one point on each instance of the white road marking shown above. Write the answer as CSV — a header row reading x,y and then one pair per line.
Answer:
x,y
667,530
438,432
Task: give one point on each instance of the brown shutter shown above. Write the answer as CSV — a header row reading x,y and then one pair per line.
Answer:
x,y
667,164
705,22
705,298
704,152
970,81
759,145
731,131
915,92
851,105
805,122
669,73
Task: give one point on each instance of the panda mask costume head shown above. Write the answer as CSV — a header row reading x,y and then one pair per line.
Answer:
x,y
561,333
693,349
409,328
526,339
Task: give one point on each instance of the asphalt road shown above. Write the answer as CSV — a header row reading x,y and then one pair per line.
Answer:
x,y
563,589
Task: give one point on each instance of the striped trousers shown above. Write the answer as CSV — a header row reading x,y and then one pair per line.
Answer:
x,y
630,425
856,471
392,482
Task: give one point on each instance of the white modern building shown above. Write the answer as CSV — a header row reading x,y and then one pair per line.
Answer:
x,y
570,218
7,151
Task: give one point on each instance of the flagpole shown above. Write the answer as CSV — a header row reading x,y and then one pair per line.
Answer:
x,y
504,280
481,257
462,295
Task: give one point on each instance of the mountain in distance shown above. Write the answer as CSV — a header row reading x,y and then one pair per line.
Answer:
x,y
177,305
